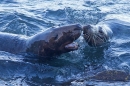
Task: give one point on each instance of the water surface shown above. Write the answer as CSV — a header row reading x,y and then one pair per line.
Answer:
x,y
28,17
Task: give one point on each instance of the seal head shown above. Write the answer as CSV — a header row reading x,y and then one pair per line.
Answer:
x,y
97,35
55,41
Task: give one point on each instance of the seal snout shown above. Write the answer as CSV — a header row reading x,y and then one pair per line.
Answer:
x,y
78,27
86,28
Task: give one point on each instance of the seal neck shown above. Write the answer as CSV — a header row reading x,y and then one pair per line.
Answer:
x,y
12,43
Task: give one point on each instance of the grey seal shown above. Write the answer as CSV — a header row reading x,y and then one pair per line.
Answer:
x,y
102,32
53,41
97,35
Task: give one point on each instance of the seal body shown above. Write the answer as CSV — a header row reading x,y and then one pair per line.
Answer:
x,y
12,43
97,35
53,41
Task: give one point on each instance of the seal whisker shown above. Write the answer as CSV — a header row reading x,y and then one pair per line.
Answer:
x,y
90,37
106,39
94,40
87,37
100,38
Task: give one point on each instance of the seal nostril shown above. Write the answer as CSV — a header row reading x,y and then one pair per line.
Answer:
x,y
86,28
78,27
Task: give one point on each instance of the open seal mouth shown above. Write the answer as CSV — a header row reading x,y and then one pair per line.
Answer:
x,y
72,46
66,42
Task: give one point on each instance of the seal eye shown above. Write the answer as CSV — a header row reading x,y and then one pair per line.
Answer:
x,y
100,30
56,37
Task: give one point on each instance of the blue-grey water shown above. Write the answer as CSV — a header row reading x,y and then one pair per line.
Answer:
x,y
28,17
